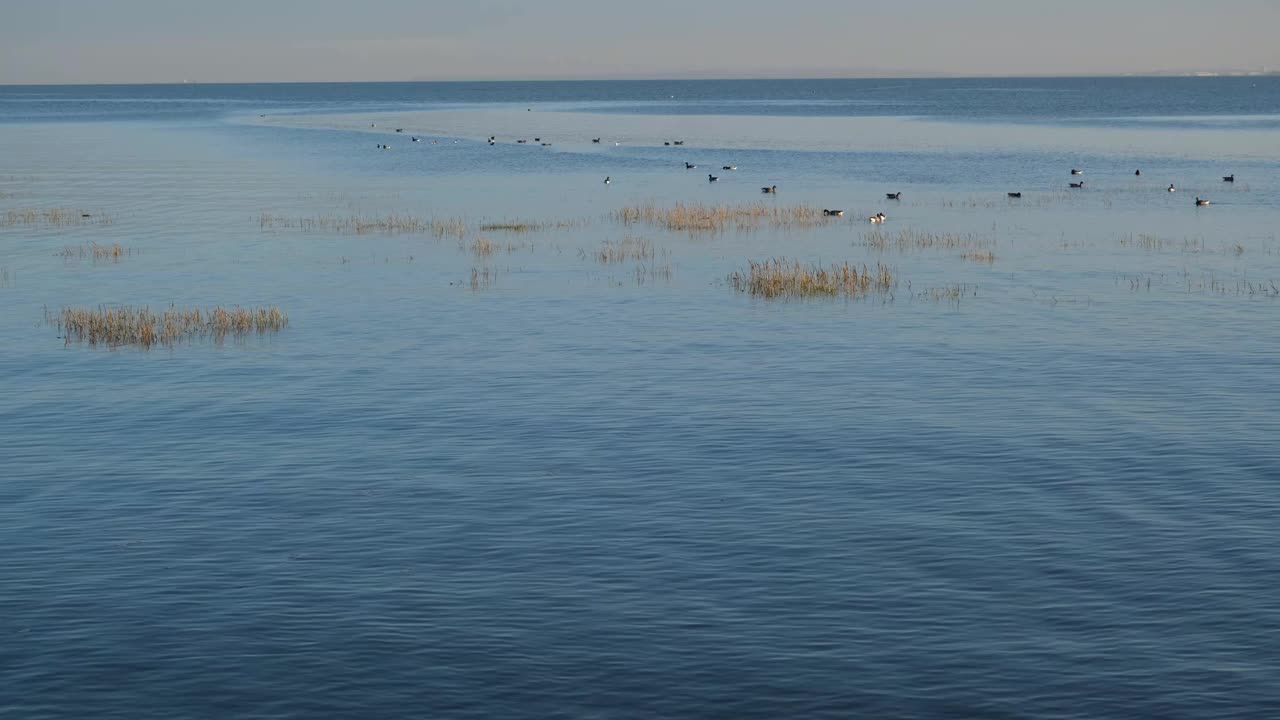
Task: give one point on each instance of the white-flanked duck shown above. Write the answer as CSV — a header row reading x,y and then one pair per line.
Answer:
x,y
1201,203
772,189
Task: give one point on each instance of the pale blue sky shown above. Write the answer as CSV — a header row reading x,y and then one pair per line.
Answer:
x,y
93,41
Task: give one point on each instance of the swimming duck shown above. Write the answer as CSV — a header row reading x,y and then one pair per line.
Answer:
x,y
894,195
772,189
1078,185
1201,203
711,178
1229,178
607,180
875,219
1015,195
690,166
1137,172
1171,188
729,167
1076,172
835,213
595,140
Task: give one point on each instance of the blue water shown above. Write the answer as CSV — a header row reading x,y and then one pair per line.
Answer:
x,y
577,492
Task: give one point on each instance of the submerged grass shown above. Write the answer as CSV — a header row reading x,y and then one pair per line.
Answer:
x,y
52,217
145,328
697,217
782,278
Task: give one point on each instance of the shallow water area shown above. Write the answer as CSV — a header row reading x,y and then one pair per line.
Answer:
x,y
485,472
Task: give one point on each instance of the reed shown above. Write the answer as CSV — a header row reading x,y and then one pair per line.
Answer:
x,y
5,278
979,256
481,247
907,239
145,328
524,226
697,217
949,293
483,277
782,278
95,252
629,248
51,217
393,224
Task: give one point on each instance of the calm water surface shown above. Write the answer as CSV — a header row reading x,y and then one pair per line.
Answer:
x,y
1040,487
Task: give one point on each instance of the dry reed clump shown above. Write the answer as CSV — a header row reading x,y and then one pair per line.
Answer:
x,y
906,240
782,278
629,248
95,252
393,224
979,256
142,327
718,218
53,217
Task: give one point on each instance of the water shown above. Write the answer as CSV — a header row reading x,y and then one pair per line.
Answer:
x,y
579,493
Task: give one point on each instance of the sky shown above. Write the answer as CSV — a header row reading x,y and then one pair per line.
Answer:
x,y
148,41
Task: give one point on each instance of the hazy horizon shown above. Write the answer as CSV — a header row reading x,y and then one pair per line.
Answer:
x,y
151,41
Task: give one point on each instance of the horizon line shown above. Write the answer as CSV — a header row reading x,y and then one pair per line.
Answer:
x,y
1199,74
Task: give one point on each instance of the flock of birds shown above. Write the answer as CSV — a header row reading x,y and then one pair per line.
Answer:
x,y
1199,201
879,217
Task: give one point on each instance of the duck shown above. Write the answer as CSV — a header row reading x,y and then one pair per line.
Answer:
x,y
1201,203
595,140
882,216
1078,185
1171,188
1137,172
833,213
666,143
399,129
522,141
875,219
690,166
546,144
772,189
894,195
711,178
1015,195
729,167
608,180
414,139
1229,178
1076,172
678,142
